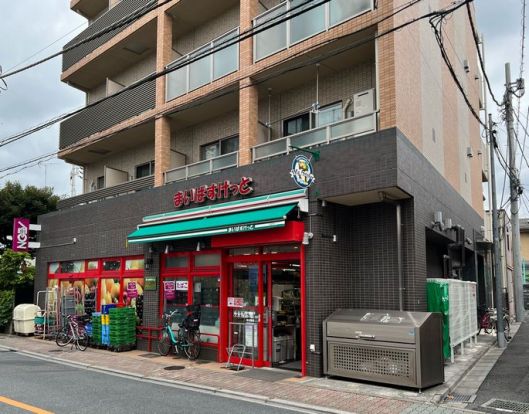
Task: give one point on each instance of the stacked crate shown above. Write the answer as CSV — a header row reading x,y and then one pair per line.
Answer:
x,y
122,328
96,329
105,330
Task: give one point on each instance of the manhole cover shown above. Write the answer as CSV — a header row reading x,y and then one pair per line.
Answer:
x,y
456,397
174,368
507,406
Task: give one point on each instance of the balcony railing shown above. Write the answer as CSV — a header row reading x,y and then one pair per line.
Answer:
x,y
109,192
291,31
205,70
108,113
347,128
203,167
120,11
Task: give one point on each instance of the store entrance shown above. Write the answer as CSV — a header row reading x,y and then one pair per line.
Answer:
x,y
264,311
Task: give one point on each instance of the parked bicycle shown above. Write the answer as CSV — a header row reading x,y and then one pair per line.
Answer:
x,y
73,333
186,339
488,322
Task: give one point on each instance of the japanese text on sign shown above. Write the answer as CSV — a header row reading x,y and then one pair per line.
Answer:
x,y
235,302
212,192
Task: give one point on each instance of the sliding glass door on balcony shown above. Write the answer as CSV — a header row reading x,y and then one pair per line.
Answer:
x,y
308,18
203,65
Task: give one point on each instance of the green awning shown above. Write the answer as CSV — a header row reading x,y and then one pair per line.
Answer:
x,y
258,219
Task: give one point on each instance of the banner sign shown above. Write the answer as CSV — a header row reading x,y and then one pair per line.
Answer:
x,y
20,234
302,172
181,285
169,290
132,290
214,191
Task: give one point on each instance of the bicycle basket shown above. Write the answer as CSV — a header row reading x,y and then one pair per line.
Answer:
x,y
192,320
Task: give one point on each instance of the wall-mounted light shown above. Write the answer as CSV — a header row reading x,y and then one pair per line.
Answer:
x,y
306,238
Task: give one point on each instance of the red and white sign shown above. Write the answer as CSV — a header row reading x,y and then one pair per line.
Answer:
x,y
132,290
20,234
235,302
214,191
181,285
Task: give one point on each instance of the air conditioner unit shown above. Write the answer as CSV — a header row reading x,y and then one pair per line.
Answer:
x,y
364,103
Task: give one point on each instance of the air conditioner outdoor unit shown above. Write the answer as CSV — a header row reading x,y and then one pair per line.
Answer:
x,y
364,103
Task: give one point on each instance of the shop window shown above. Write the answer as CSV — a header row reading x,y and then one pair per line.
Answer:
x,y
110,289
53,283
111,265
284,248
133,295
207,260
72,297
145,170
92,265
134,264
220,147
53,267
172,262
72,267
206,294
100,182
245,283
90,291
175,297
296,124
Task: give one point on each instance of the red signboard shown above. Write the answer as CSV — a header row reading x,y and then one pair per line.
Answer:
x,y
212,192
20,234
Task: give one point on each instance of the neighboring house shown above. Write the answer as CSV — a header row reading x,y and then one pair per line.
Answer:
x,y
189,192
524,247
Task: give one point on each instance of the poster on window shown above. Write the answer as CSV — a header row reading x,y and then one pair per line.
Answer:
x,y
132,290
181,285
169,290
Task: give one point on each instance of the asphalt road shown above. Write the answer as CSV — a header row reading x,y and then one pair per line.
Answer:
x,y
59,388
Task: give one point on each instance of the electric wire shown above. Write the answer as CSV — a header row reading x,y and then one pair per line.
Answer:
x,y
522,55
445,11
226,43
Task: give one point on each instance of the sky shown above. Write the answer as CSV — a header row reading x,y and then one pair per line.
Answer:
x,y
33,29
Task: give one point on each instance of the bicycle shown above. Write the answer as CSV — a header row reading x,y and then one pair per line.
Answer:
x,y
73,333
187,337
488,322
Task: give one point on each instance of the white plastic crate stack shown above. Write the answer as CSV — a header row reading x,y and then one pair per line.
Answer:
x,y
462,312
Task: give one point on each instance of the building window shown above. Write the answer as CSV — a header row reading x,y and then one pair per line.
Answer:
x,y
329,114
145,170
296,124
220,147
100,182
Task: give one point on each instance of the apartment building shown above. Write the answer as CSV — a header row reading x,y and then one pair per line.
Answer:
x,y
293,158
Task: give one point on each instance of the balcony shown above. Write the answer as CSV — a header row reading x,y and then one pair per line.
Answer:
x,y
109,192
317,20
210,166
120,11
108,113
202,71
348,128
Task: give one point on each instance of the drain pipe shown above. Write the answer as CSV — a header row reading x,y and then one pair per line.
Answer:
x,y
398,211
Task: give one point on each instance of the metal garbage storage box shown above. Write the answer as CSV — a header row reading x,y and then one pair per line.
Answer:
x,y
402,348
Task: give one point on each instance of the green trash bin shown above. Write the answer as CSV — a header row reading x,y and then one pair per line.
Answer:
x,y
437,296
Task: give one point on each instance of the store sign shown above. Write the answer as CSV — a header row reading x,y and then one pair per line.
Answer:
x,y
302,172
132,290
150,283
181,285
235,302
20,234
240,228
212,192
169,289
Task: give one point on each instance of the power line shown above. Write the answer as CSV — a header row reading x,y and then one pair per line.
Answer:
x,y
220,46
445,11
522,55
480,57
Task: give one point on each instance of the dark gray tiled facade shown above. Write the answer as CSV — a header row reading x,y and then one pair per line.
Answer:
x,y
358,270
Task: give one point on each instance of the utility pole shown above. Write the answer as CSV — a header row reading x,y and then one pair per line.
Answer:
x,y
496,239
511,88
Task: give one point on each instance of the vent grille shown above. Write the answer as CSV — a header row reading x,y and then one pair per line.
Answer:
x,y
371,362
507,406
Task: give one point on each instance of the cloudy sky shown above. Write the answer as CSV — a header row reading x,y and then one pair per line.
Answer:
x,y
36,95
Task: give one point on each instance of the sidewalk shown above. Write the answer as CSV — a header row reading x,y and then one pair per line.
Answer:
x,y
266,385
